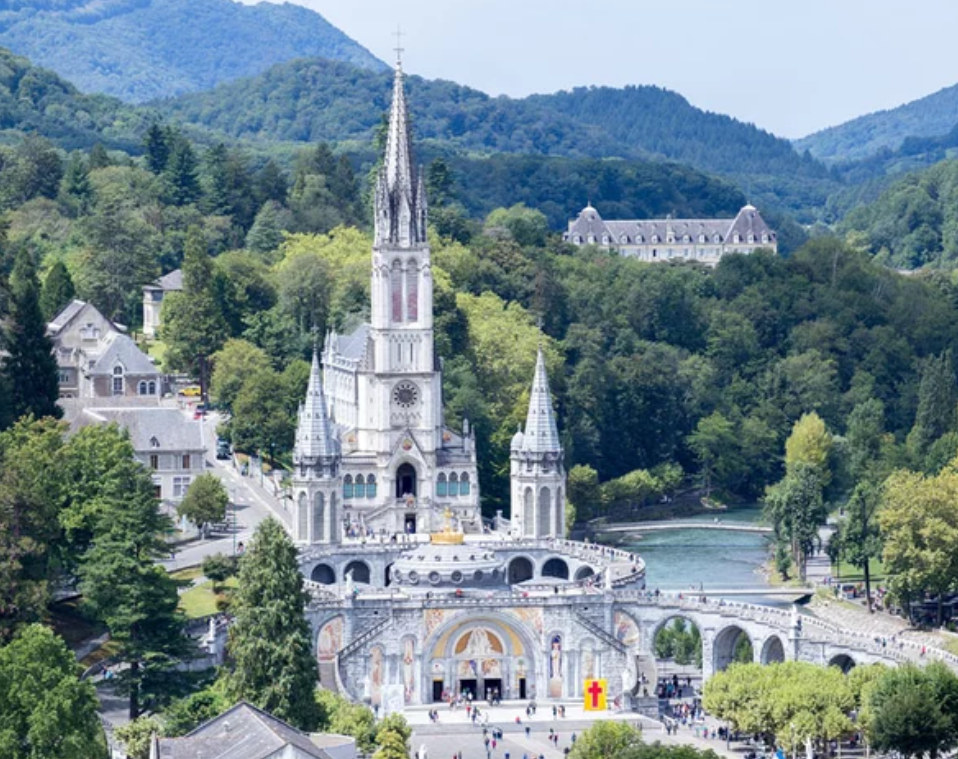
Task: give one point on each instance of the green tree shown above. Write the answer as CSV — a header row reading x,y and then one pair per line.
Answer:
x,y
31,497
186,714
269,642
218,568
937,401
193,326
30,367
205,501
527,226
46,711
266,234
270,184
715,444
156,148
261,419
858,534
865,434
810,444
76,191
57,290
795,509
584,492
181,173
915,710
233,364
127,591
606,739
137,735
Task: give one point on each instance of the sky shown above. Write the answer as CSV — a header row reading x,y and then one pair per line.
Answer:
x,y
790,66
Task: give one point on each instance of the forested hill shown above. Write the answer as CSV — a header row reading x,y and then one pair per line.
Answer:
x,y
143,49
931,116
36,101
324,100
665,123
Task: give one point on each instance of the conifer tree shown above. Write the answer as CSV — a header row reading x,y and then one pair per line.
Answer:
x,y
937,401
270,184
57,290
266,233
156,148
30,367
193,324
273,665
76,192
182,177
99,157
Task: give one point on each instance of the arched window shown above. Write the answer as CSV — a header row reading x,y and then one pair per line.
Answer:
x,y
151,389
359,491
412,293
371,486
453,484
348,486
464,484
441,488
395,290
141,388
319,518
117,380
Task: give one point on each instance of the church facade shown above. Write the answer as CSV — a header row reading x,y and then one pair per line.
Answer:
x,y
703,240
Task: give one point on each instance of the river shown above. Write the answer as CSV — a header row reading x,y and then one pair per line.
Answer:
x,y
678,559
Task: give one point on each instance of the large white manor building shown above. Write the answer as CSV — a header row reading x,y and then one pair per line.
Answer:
x,y
373,452
705,240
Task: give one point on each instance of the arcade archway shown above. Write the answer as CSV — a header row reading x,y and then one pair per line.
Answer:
x,y
732,644
677,648
360,571
583,572
773,651
843,661
520,570
556,568
323,574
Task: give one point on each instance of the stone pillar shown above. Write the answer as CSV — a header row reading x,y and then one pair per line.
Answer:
x,y
708,652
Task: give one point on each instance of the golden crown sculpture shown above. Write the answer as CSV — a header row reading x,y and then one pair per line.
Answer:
x,y
447,536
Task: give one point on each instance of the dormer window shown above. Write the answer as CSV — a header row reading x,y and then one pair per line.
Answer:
x,y
624,239
737,239
605,239
655,238
591,239
716,239
686,239
154,442
764,238
577,239
701,238
751,239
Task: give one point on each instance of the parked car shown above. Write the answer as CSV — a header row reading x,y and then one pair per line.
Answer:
x,y
192,391
223,450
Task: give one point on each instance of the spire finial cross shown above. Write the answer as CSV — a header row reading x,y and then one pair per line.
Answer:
x,y
398,34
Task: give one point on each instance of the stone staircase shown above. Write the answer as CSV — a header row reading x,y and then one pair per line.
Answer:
x,y
600,633
327,676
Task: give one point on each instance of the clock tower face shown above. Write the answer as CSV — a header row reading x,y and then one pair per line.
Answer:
x,y
406,396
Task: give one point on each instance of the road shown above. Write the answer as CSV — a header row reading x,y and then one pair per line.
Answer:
x,y
251,504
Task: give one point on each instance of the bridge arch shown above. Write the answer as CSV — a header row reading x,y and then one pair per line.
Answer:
x,y
843,661
731,644
360,570
677,638
773,650
556,567
323,574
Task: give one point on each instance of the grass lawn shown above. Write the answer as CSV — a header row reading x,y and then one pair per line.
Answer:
x,y
201,601
156,349
187,574
847,573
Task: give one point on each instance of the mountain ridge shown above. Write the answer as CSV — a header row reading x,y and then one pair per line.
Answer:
x,y
159,48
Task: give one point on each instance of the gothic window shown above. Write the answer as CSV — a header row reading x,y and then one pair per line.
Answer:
x,y
302,513
371,486
359,491
464,484
453,484
319,518
412,293
348,486
395,288
559,516
441,488
545,509
528,513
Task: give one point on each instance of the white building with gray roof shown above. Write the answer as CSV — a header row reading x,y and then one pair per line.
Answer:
x,y
703,240
153,295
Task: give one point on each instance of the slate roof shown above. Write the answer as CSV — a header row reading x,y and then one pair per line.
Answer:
x,y
66,315
541,435
243,732
314,433
168,282
353,345
122,349
169,427
590,225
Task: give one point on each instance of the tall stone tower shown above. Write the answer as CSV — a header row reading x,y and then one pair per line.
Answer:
x,y
317,480
537,473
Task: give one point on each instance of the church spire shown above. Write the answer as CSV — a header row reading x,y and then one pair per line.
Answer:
x,y
541,434
314,432
400,197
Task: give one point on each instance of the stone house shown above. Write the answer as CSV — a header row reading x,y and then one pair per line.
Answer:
x,y
97,359
153,295
165,440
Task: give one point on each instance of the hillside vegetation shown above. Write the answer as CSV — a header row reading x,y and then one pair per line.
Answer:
x,y
143,49
930,116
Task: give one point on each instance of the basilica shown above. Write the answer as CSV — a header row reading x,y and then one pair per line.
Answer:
x,y
413,597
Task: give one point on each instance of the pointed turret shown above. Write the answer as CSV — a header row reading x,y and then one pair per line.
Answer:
x,y
542,435
315,441
400,198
